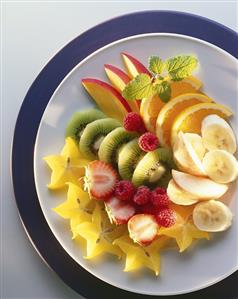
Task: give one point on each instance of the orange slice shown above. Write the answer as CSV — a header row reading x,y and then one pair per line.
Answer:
x,y
151,107
190,119
171,109
149,110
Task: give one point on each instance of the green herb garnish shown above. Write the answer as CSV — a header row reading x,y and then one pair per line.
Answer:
x,y
162,73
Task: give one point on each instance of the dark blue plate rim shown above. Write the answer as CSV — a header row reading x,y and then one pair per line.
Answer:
x,y
33,107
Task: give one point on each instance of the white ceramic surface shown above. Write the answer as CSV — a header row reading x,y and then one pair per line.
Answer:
x,y
207,262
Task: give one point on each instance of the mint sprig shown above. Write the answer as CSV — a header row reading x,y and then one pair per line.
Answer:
x,y
181,67
156,65
138,88
162,73
164,91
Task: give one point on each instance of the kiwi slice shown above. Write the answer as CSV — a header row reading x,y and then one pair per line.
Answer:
x,y
113,144
94,134
128,158
80,120
154,169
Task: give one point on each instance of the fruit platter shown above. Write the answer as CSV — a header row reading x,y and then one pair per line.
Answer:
x,y
147,169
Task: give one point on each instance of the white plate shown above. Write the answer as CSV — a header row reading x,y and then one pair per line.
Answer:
x,y
207,262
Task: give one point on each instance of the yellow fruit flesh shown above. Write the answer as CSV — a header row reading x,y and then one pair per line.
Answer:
x,y
190,120
119,84
106,100
66,167
183,231
116,81
182,87
131,69
170,111
149,110
151,107
138,257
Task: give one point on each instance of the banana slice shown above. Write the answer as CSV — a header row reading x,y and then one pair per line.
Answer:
x,y
179,196
196,142
220,166
185,156
212,216
217,134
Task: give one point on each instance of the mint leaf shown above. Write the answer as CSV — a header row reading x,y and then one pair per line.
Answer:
x,y
164,91
180,67
156,65
140,87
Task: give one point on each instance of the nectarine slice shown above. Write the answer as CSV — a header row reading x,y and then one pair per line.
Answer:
x,y
119,79
107,98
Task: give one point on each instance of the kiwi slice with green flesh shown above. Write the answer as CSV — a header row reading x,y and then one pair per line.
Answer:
x,y
80,120
154,169
128,159
113,143
93,135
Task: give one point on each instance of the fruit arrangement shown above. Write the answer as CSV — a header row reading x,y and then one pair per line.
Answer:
x,y
147,170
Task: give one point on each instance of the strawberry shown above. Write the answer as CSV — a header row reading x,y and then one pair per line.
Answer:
x,y
143,228
100,179
119,211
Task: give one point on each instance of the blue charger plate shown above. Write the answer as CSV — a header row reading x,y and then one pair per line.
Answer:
x,y
33,108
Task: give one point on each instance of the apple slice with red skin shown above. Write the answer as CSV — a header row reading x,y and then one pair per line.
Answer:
x,y
119,211
134,66
107,98
143,228
119,80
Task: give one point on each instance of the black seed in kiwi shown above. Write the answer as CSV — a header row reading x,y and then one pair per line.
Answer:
x,y
128,158
113,144
154,169
93,135
80,120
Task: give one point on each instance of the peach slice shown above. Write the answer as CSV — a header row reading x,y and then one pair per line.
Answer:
x,y
133,66
107,98
119,79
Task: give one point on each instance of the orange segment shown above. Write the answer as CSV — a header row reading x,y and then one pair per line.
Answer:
x,y
149,110
190,119
188,85
171,109
151,107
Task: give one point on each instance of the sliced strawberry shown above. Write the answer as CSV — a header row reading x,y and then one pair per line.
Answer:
x,y
100,179
119,211
143,228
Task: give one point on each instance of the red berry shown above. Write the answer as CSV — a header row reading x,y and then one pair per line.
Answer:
x,y
142,195
159,198
124,190
147,208
119,211
148,142
100,179
166,217
133,122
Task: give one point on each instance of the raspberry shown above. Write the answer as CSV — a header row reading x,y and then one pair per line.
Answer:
x,y
133,122
166,217
159,198
148,142
146,209
124,190
142,195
